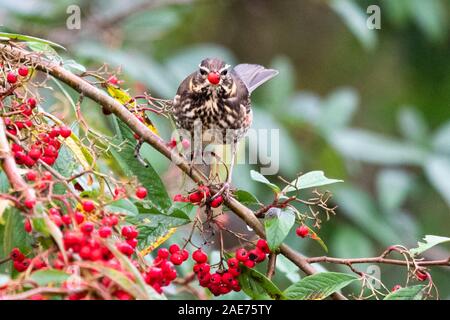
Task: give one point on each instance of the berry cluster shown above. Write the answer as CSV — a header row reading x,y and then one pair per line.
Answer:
x,y
202,194
162,272
225,280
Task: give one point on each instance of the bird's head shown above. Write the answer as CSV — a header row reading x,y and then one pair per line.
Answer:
x,y
213,73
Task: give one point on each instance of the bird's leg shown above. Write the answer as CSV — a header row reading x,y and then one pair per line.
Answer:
x,y
226,185
137,153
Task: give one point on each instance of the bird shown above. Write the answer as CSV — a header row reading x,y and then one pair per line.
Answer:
x,y
213,105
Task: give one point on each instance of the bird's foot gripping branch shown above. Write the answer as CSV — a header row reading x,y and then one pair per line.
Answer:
x,y
71,229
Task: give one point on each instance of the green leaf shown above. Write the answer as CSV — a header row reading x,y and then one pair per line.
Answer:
x,y
15,36
12,234
123,206
430,241
408,293
153,223
310,180
257,286
318,286
277,224
148,177
256,176
49,276
287,267
246,197
73,66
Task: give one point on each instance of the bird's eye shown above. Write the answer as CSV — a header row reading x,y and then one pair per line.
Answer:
x,y
203,72
224,72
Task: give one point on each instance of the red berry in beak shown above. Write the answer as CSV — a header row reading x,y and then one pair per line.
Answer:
x,y
213,78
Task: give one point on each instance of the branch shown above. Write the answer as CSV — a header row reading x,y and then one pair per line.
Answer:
x,y
113,106
9,166
380,260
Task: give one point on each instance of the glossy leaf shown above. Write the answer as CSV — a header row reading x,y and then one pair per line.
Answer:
x,y
310,180
318,286
408,293
277,224
256,176
46,277
257,286
429,242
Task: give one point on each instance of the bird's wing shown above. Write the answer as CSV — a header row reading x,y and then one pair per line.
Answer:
x,y
254,75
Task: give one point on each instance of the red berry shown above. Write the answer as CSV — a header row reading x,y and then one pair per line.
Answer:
x,y
184,254
105,232
213,78
35,153
79,217
241,254
66,219
132,242
202,268
141,192
199,256
234,271
88,206
87,227
125,248
163,253
227,278
262,244
54,133
29,203
46,175
23,71
113,80
179,198
27,226
32,102
65,132
233,263
196,197
31,175
11,77
302,231
16,148
16,255
215,278
396,287
249,263
421,276
174,248
129,232
113,220
257,255
217,202
176,259
85,252
48,160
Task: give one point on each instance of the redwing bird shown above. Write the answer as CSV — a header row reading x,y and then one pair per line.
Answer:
x,y
213,103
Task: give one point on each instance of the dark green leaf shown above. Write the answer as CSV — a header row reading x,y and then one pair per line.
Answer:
x,y
148,177
12,234
153,223
15,36
257,286
123,206
277,224
318,286
246,197
408,293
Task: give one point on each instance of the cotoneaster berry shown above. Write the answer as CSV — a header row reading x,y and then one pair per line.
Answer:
x,y
23,71
88,206
199,256
141,192
217,202
302,231
11,78
31,175
105,231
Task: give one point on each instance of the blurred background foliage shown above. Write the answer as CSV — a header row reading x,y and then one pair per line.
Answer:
x,y
367,106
